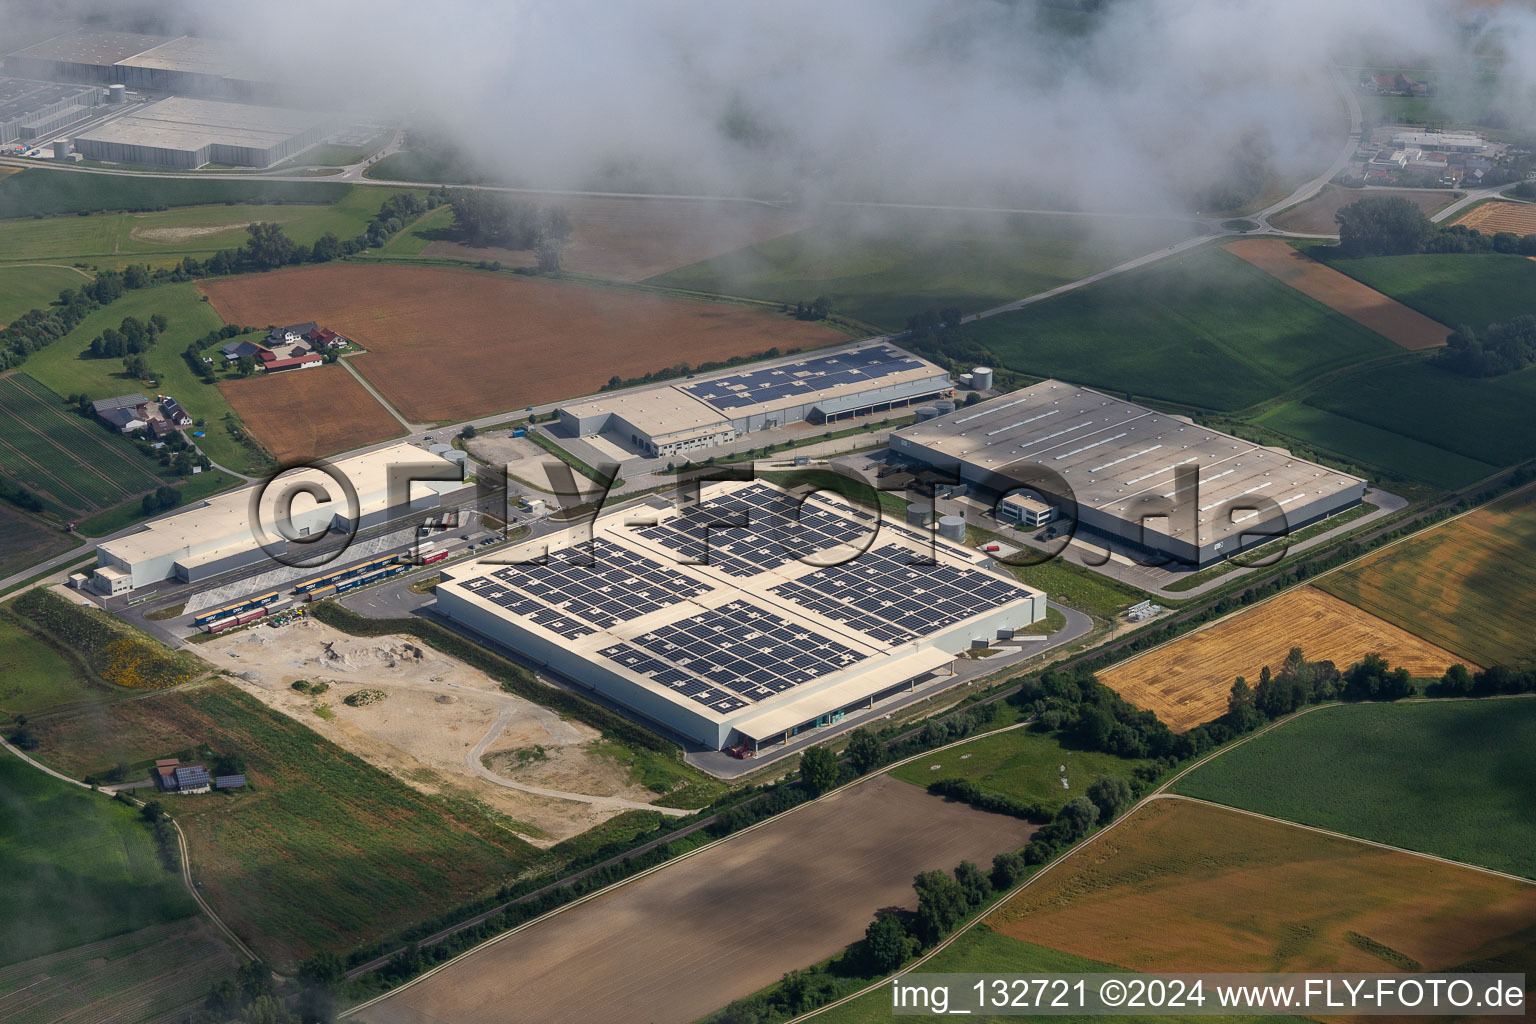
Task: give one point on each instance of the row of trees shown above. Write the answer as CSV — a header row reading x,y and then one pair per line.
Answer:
x,y
130,337
1394,226
38,328
493,219
1504,347
684,369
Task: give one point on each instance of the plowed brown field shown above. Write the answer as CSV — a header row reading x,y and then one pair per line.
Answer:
x,y
1183,886
1365,306
673,946
1187,681
455,344
304,414
632,239
1491,218
1315,216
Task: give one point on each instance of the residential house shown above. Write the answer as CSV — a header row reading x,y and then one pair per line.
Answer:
x,y
193,778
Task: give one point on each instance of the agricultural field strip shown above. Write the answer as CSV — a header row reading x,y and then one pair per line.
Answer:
x,y
665,864
88,433
1159,793
51,444
181,842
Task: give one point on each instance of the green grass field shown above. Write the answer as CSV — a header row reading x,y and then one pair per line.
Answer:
x,y
27,288
1203,328
162,237
1452,778
74,464
1021,764
1490,420
47,191
1373,446
418,234
1455,289
61,368
324,851
983,951
882,272
38,676
75,867
1468,585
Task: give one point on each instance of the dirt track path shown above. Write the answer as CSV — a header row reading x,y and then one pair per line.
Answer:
x,y
472,759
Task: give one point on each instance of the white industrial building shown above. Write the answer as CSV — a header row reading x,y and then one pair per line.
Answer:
x,y
188,133
31,110
226,532
1150,482
706,411
213,68
747,633
1441,142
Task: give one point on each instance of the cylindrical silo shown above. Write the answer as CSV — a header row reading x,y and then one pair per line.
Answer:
x,y
945,407
952,528
60,148
925,412
981,378
919,512
117,93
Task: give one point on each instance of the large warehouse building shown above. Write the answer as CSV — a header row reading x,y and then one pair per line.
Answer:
x,y
1114,465
30,110
187,133
191,66
221,534
746,633
701,413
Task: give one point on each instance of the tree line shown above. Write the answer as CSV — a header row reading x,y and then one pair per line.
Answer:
x,y
1503,348
1394,226
493,219
38,328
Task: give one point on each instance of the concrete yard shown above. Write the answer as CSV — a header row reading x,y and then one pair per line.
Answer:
x,y
682,942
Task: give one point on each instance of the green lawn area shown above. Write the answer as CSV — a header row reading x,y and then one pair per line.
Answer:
x,y
49,191
919,260
164,236
1203,328
75,867
1022,764
1455,289
27,288
1490,420
419,234
1080,588
39,676
1374,446
61,368
1452,778
983,951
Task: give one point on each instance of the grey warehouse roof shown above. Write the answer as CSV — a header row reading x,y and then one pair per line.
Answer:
x,y
186,124
1113,453
86,47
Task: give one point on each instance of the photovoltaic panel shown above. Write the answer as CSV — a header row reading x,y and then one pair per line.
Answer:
x,y
803,378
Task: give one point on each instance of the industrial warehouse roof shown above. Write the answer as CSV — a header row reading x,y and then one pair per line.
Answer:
x,y
185,124
660,412
20,96
86,47
223,524
796,610
1115,454
194,56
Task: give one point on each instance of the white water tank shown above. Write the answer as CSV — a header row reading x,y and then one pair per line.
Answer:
x,y
918,513
117,93
60,149
981,378
952,528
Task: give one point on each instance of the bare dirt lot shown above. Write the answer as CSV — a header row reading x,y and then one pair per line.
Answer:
x,y
1193,887
436,712
1315,216
304,414
675,945
632,239
1365,306
1187,681
450,344
1491,218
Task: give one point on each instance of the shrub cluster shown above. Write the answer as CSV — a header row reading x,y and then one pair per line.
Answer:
x,y
112,650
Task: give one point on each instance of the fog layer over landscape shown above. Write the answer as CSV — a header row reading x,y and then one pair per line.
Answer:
x,y
1144,105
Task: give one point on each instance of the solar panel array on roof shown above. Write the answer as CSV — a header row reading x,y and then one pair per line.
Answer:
x,y
758,528
884,594
737,649
576,599
804,378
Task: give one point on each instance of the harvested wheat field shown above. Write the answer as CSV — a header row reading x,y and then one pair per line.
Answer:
x,y
448,344
1367,307
690,938
1185,886
632,239
1468,585
1491,218
304,414
1315,216
1187,682
425,731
